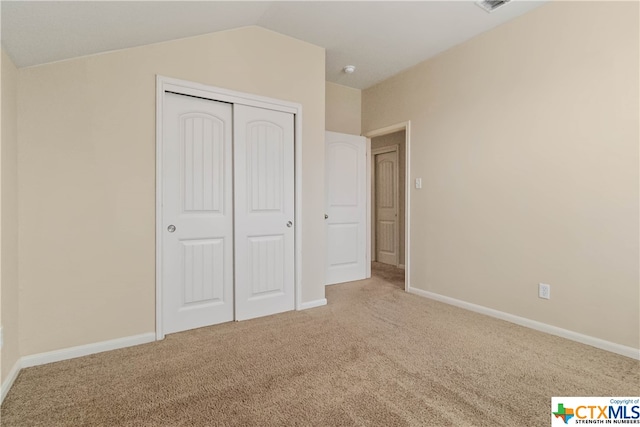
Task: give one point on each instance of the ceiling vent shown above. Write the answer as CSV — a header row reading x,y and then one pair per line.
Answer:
x,y
491,5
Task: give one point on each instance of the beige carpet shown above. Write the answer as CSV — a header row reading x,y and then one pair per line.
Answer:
x,y
374,356
388,273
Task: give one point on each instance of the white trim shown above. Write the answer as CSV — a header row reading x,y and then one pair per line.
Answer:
x,y
312,304
387,130
85,350
8,382
623,350
71,353
406,126
185,87
407,204
159,161
164,84
370,240
298,204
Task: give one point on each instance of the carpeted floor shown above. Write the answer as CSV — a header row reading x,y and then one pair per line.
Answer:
x,y
388,273
374,355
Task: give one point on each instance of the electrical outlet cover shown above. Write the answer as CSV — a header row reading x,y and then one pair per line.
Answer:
x,y
544,291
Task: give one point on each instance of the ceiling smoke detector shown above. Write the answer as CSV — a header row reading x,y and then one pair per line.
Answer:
x,y
491,5
349,69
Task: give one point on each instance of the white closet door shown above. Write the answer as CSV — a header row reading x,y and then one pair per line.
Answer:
x,y
346,207
264,211
197,264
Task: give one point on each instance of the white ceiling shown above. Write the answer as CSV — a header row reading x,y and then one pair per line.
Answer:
x,y
381,38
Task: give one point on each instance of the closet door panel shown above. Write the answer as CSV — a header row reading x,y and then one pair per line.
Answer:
x,y
197,213
264,211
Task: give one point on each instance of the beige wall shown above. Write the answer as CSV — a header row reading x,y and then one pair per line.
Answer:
x,y
526,139
343,109
396,138
87,176
9,219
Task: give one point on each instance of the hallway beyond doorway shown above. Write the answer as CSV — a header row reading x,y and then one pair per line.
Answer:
x,y
389,273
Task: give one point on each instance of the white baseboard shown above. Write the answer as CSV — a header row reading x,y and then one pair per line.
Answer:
x,y
71,353
85,350
623,350
8,382
312,304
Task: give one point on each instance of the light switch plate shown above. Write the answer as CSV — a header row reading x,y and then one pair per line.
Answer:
x,y
418,183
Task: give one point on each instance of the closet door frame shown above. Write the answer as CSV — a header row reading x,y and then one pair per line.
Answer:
x,y
184,87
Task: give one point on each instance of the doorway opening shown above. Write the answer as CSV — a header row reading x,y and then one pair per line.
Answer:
x,y
389,204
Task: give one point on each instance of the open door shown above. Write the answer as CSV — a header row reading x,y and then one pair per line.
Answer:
x,y
346,207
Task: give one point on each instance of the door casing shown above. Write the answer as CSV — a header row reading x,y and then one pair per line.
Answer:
x,y
183,87
406,126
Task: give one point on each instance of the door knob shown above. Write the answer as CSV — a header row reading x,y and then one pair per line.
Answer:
x,y
289,224
171,228
326,216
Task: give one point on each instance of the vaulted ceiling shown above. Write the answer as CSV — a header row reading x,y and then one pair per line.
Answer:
x,y
381,38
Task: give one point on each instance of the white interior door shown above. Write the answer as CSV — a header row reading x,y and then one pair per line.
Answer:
x,y
346,207
264,211
386,208
197,213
